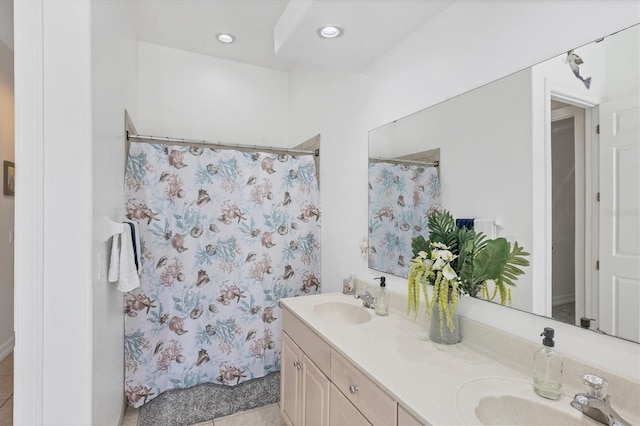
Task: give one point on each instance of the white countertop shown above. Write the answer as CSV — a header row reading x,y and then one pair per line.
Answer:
x,y
396,352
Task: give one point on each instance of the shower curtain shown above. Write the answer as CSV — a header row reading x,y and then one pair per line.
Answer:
x,y
224,235
401,197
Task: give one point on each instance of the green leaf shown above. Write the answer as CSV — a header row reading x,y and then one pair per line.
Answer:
x,y
515,258
471,244
443,229
489,263
419,244
464,262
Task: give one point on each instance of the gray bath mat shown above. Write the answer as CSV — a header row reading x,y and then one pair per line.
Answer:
x,y
208,400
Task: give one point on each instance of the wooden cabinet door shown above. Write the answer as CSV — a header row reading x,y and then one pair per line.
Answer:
x,y
290,383
315,394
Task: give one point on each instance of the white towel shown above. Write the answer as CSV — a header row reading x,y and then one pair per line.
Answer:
x,y
129,278
114,262
486,226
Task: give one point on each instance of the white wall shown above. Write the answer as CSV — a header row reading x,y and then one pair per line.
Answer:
x,y
622,48
67,225
193,96
114,89
6,202
338,106
76,73
469,44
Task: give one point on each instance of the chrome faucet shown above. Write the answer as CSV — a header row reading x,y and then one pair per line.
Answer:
x,y
595,403
368,300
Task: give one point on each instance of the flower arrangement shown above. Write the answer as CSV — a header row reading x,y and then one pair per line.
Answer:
x,y
460,261
435,267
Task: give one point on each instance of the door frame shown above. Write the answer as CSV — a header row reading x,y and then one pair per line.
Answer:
x,y
28,405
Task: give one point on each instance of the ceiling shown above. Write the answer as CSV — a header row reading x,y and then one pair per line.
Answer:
x,y
192,25
277,33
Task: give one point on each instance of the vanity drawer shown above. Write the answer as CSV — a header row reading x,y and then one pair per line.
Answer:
x,y
378,407
342,412
311,344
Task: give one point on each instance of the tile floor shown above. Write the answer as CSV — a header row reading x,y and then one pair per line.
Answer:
x,y
263,416
6,391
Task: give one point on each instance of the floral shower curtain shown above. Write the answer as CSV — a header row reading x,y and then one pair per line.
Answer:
x,y
224,235
401,197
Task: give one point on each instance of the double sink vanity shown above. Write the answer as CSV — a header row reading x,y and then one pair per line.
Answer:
x,y
344,365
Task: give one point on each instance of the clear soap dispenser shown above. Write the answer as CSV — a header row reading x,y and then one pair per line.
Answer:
x,y
382,298
547,369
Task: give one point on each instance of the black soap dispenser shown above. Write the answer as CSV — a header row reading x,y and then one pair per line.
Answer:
x,y
547,368
382,298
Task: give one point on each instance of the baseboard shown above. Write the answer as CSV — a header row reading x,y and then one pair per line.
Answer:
x,y
7,347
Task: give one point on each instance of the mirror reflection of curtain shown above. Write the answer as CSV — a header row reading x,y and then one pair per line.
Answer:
x,y
225,235
401,197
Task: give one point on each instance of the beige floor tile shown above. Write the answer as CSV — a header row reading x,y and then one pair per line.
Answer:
x,y
6,387
6,365
207,423
263,416
131,416
6,413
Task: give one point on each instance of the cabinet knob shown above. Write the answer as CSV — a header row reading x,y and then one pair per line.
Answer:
x,y
297,365
353,389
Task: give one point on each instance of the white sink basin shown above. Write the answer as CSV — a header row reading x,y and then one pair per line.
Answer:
x,y
502,401
343,313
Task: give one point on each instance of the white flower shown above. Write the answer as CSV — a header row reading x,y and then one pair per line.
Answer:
x,y
446,255
428,263
448,272
422,254
439,264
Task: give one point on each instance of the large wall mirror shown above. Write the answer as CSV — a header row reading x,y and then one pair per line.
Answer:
x,y
551,155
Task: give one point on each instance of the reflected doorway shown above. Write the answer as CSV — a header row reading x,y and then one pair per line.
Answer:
x,y
570,288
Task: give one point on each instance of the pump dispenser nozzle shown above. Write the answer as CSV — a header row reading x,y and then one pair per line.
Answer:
x,y
548,334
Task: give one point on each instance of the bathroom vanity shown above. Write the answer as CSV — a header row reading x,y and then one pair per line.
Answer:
x,y
321,386
344,365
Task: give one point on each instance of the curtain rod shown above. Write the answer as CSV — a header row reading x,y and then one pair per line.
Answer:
x,y
210,144
416,162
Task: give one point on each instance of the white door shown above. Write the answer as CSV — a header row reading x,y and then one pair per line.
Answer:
x,y
619,278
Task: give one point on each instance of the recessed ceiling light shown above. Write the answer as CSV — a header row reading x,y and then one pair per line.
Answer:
x,y
329,32
225,38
